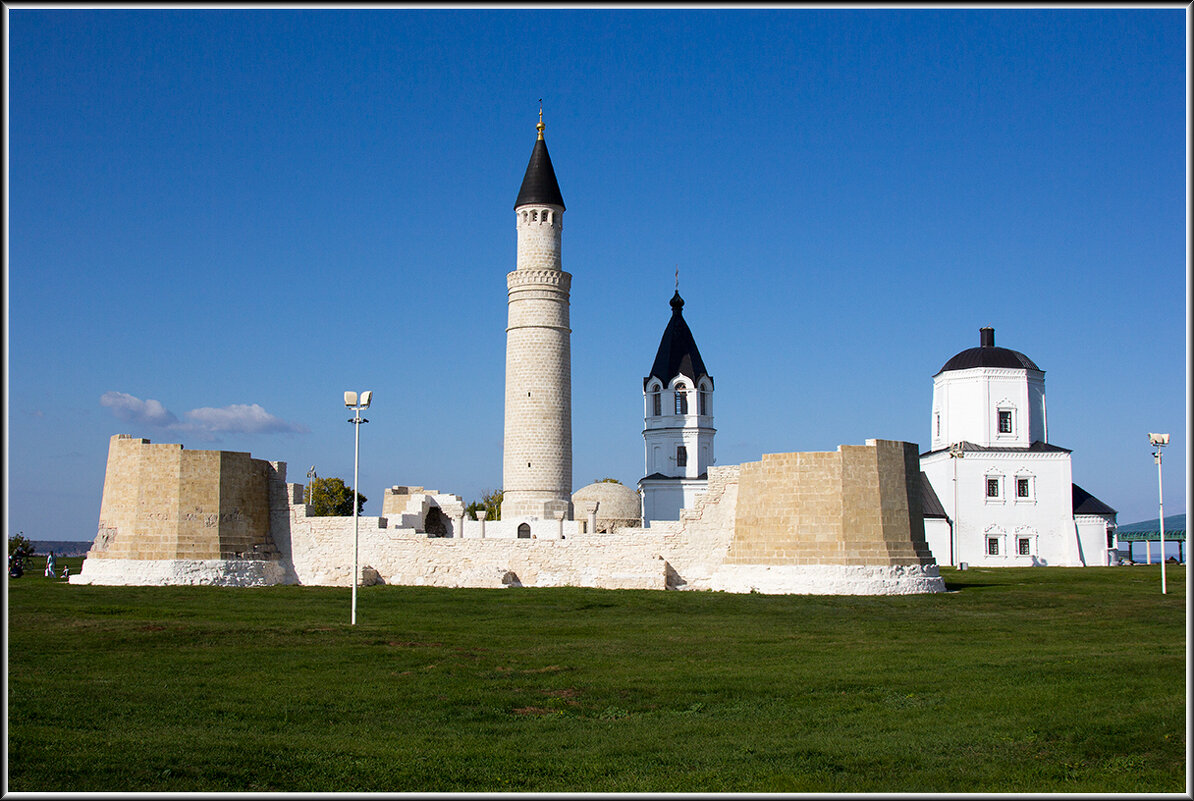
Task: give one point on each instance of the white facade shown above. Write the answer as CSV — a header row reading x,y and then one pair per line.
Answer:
x,y
1007,493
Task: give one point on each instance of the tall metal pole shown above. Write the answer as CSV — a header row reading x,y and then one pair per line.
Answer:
x,y
1161,504
356,460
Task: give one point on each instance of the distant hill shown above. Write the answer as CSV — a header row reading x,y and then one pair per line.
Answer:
x,y
62,547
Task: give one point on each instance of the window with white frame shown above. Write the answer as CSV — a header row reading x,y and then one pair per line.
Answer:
x,y
1023,546
656,406
1005,419
704,400
681,456
1025,491
681,399
994,485
992,546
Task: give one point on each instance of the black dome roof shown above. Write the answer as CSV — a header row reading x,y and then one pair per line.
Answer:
x,y
539,185
677,354
987,355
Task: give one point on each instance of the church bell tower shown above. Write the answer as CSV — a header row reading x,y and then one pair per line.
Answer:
x,y
537,451
677,422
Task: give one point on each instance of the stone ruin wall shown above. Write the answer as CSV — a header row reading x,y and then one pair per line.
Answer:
x,y
844,522
164,502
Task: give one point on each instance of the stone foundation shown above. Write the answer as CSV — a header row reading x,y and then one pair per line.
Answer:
x,y
150,572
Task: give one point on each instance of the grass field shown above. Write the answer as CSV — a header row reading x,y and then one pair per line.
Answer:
x,y
1019,680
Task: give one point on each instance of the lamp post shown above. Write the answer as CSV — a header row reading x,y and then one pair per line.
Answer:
x,y
955,452
311,484
350,400
1159,441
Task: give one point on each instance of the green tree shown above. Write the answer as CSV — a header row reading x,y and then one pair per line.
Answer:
x,y
491,502
331,497
18,545
607,481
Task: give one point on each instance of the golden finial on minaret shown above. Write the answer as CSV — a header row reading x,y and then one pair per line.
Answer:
x,y
540,126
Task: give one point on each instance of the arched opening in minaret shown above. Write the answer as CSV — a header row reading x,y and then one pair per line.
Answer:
x,y
681,399
524,531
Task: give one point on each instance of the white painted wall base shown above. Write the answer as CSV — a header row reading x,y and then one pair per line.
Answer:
x,y
828,579
153,572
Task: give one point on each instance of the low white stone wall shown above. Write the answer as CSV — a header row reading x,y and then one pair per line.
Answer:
x,y
143,572
828,579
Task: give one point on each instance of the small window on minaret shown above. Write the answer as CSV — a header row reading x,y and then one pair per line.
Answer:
x,y
681,456
656,406
681,399
704,401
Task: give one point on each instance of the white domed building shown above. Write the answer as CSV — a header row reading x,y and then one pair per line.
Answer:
x,y
1004,494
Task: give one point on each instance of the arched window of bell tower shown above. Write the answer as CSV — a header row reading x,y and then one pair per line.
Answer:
x,y
534,215
656,407
681,399
704,399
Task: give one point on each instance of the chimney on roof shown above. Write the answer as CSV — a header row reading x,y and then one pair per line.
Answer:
x,y
986,337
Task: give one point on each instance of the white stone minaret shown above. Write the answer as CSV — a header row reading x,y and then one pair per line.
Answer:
x,y
537,454
677,423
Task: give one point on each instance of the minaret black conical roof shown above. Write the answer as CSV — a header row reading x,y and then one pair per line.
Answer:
x,y
539,185
678,354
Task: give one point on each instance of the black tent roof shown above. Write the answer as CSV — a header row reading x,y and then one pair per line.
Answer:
x,y
677,354
539,185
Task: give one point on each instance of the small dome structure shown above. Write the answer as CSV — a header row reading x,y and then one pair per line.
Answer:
x,y
617,505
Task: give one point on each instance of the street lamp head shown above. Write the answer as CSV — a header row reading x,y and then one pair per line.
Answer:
x,y
350,399
366,398
1159,440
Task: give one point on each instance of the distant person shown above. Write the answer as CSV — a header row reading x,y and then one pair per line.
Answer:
x,y
66,573
15,568
50,566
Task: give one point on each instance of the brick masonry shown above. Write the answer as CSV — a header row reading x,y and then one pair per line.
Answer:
x,y
537,448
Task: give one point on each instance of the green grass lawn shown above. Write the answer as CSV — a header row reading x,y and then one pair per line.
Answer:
x,y
1019,680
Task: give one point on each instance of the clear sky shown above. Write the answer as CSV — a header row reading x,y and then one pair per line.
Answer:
x,y
219,220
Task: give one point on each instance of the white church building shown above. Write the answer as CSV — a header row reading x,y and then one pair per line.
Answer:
x,y
998,493
677,423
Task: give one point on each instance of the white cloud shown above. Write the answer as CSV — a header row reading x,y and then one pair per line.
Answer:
x,y
135,410
207,422
240,418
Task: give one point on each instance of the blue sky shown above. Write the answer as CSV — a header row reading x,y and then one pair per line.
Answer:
x,y
219,220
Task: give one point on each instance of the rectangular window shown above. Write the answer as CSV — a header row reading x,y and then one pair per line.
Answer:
x,y
656,407
1022,488
1022,545
992,488
992,546
681,456
1005,421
